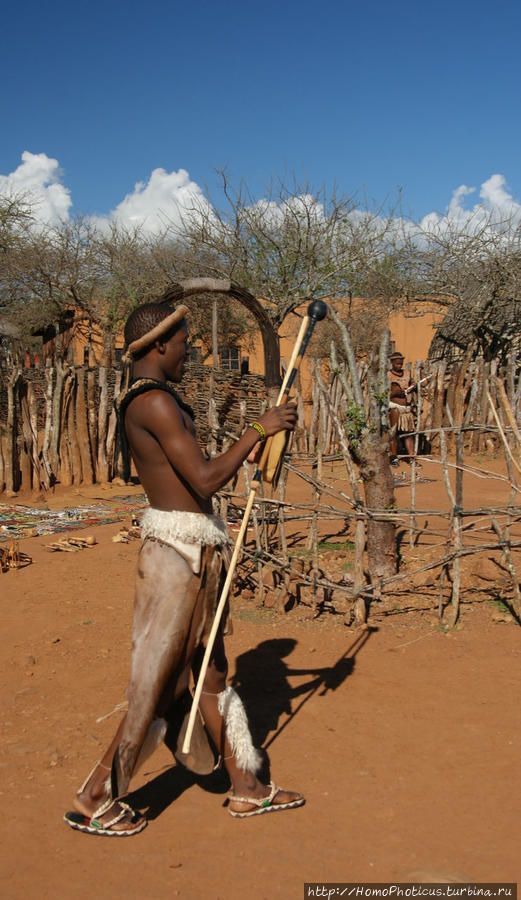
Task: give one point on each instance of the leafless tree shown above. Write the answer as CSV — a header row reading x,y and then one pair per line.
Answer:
x,y
101,274
471,267
294,245
366,425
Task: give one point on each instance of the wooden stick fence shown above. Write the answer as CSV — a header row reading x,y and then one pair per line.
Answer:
x,y
342,595
61,425
453,547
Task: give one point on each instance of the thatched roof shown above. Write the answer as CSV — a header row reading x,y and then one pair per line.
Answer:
x,y
491,329
8,329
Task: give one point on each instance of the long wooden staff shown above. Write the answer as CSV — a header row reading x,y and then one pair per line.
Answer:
x,y
427,378
316,311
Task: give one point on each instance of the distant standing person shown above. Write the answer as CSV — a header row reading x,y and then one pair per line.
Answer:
x,y
401,418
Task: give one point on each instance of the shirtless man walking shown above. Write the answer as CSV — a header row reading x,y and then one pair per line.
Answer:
x,y
179,572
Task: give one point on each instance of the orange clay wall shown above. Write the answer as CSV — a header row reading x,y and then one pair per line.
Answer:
x,y
411,334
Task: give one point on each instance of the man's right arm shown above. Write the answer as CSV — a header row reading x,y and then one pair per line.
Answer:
x,y
162,418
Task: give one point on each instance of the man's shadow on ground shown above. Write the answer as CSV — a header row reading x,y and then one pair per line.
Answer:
x,y
262,680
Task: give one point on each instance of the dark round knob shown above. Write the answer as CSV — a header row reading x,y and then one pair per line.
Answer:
x,y
317,310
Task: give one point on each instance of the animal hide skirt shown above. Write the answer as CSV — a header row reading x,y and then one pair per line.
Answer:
x,y
405,417
178,584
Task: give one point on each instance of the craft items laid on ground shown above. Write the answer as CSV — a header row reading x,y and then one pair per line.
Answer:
x,y
23,521
11,557
72,545
128,534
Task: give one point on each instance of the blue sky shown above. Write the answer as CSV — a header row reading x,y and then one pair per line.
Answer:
x,y
370,96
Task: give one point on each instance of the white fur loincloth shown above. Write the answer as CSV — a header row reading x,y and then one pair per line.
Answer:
x,y
193,528
186,532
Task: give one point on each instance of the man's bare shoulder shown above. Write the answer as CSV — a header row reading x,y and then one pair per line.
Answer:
x,y
155,405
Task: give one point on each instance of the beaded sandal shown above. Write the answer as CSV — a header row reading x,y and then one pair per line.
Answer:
x,y
264,804
80,822
92,825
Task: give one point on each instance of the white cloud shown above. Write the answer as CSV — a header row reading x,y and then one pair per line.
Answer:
x,y
455,207
496,209
38,178
158,203
161,201
276,212
151,205
499,201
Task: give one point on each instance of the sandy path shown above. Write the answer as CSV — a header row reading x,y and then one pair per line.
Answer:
x,y
408,759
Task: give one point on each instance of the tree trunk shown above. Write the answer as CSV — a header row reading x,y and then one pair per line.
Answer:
x,y
378,483
369,447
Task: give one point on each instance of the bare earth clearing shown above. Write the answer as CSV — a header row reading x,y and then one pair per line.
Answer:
x,y
407,749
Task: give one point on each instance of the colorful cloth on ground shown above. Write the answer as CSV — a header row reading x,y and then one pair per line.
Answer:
x,y
24,521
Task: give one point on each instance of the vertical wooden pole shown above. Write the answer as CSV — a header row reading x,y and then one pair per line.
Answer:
x,y
456,500
479,376
12,474
92,407
82,428
2,459
49,386
111,429
215,341
283,542
56,416
103,469
412,517
66,470
312,439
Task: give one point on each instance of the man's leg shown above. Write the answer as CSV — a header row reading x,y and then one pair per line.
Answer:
x,y
97,787
409,446
165,607
241,766
393,431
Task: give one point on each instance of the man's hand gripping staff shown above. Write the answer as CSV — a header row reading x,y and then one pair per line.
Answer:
x,y
268,465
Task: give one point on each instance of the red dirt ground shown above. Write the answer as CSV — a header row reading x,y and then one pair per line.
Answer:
x,y
406,749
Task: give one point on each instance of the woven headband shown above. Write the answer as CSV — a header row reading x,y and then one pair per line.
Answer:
x,y
156,332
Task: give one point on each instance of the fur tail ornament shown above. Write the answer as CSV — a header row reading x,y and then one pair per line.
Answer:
x,y
237,731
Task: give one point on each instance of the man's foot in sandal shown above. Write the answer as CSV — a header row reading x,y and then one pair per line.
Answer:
x,y
113,819
97,813
274,800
